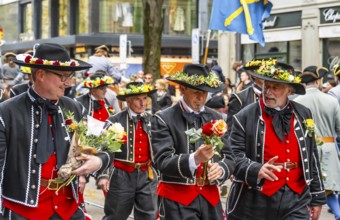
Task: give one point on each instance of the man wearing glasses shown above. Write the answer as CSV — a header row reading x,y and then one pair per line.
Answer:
x,y
34,141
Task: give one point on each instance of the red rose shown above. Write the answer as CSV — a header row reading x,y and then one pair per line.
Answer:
x,y
56,63
207,129
68,121
102,82
86,74
73,63
39,61
28,59
90,84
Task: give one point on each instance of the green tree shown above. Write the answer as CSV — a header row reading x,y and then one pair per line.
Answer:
x,y
153,27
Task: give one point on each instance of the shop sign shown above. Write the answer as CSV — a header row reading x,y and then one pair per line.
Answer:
x,y
282,20
330,15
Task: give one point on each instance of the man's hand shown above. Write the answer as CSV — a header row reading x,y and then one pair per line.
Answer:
x,y
214,171
315,212
104,184
82,182
91,163
203,153
268,169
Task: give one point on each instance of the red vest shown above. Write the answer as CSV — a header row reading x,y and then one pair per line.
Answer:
x,y
49,203
141,149
288,150
185,194
102,114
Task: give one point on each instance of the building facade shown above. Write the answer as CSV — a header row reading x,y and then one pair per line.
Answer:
x,y
301,33
82,25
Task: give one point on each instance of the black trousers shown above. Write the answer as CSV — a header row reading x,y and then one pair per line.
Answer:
x,y
285,204
199,209
10,215
131,191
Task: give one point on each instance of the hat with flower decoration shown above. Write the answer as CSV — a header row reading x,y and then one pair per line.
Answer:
x,y
98,79
50,56
135,88
272,70
312,73
198,76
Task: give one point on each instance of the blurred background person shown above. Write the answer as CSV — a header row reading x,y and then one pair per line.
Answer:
x,y
245,81
161,99
217,70
99,61
95,102
328,85
22,87
229,89
10,71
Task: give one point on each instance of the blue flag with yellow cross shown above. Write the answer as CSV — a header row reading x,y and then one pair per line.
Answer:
x,y
241,16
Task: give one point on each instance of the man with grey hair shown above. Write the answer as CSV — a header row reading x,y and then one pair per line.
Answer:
x,y
278,172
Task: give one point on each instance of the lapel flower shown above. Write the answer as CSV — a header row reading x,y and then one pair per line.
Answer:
x,y
111,109
310,126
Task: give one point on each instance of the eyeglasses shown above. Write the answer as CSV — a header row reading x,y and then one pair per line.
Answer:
x,y
63,78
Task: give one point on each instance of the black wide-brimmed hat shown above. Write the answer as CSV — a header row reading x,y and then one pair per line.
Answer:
x,y
198,76
274,71
98,79
312,73
50,56
135,88
216,102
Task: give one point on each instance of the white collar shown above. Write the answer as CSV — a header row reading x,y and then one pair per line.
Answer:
x,y
188,109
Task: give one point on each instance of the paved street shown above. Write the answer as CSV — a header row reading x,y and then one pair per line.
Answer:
x,y
95,198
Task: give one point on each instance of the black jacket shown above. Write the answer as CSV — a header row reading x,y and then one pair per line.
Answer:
x,y
172,150
19,127
238,101
127,153
247,141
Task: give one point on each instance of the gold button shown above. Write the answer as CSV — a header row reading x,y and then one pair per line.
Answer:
x,y
140,149
139,156
130,132
287,141
140,142
287,178
288,150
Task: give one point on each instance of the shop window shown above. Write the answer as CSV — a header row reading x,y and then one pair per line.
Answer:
x,y
179,17
121,16
63,17
45,19
286,52
331,54
83,15
9,21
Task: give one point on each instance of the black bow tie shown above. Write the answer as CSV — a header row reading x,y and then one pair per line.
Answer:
x,y
144,121
198,119
46,146
281,120
98,105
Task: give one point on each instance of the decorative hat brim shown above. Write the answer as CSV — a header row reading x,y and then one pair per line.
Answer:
x,y
82,65
202,87
298,87
123,97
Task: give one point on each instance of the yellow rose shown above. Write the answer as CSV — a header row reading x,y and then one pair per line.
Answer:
x,y
219,127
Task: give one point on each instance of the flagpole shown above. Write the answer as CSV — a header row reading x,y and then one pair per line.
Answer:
x,y
206,48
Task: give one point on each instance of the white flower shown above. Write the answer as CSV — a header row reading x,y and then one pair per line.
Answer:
x,y
118,129
272,70
291,78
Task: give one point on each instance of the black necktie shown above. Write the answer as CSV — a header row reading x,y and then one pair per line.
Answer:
x,y
281,120
45,145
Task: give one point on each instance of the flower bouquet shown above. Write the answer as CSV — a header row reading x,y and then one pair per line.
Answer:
x,y
310,127
86,142
211,133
